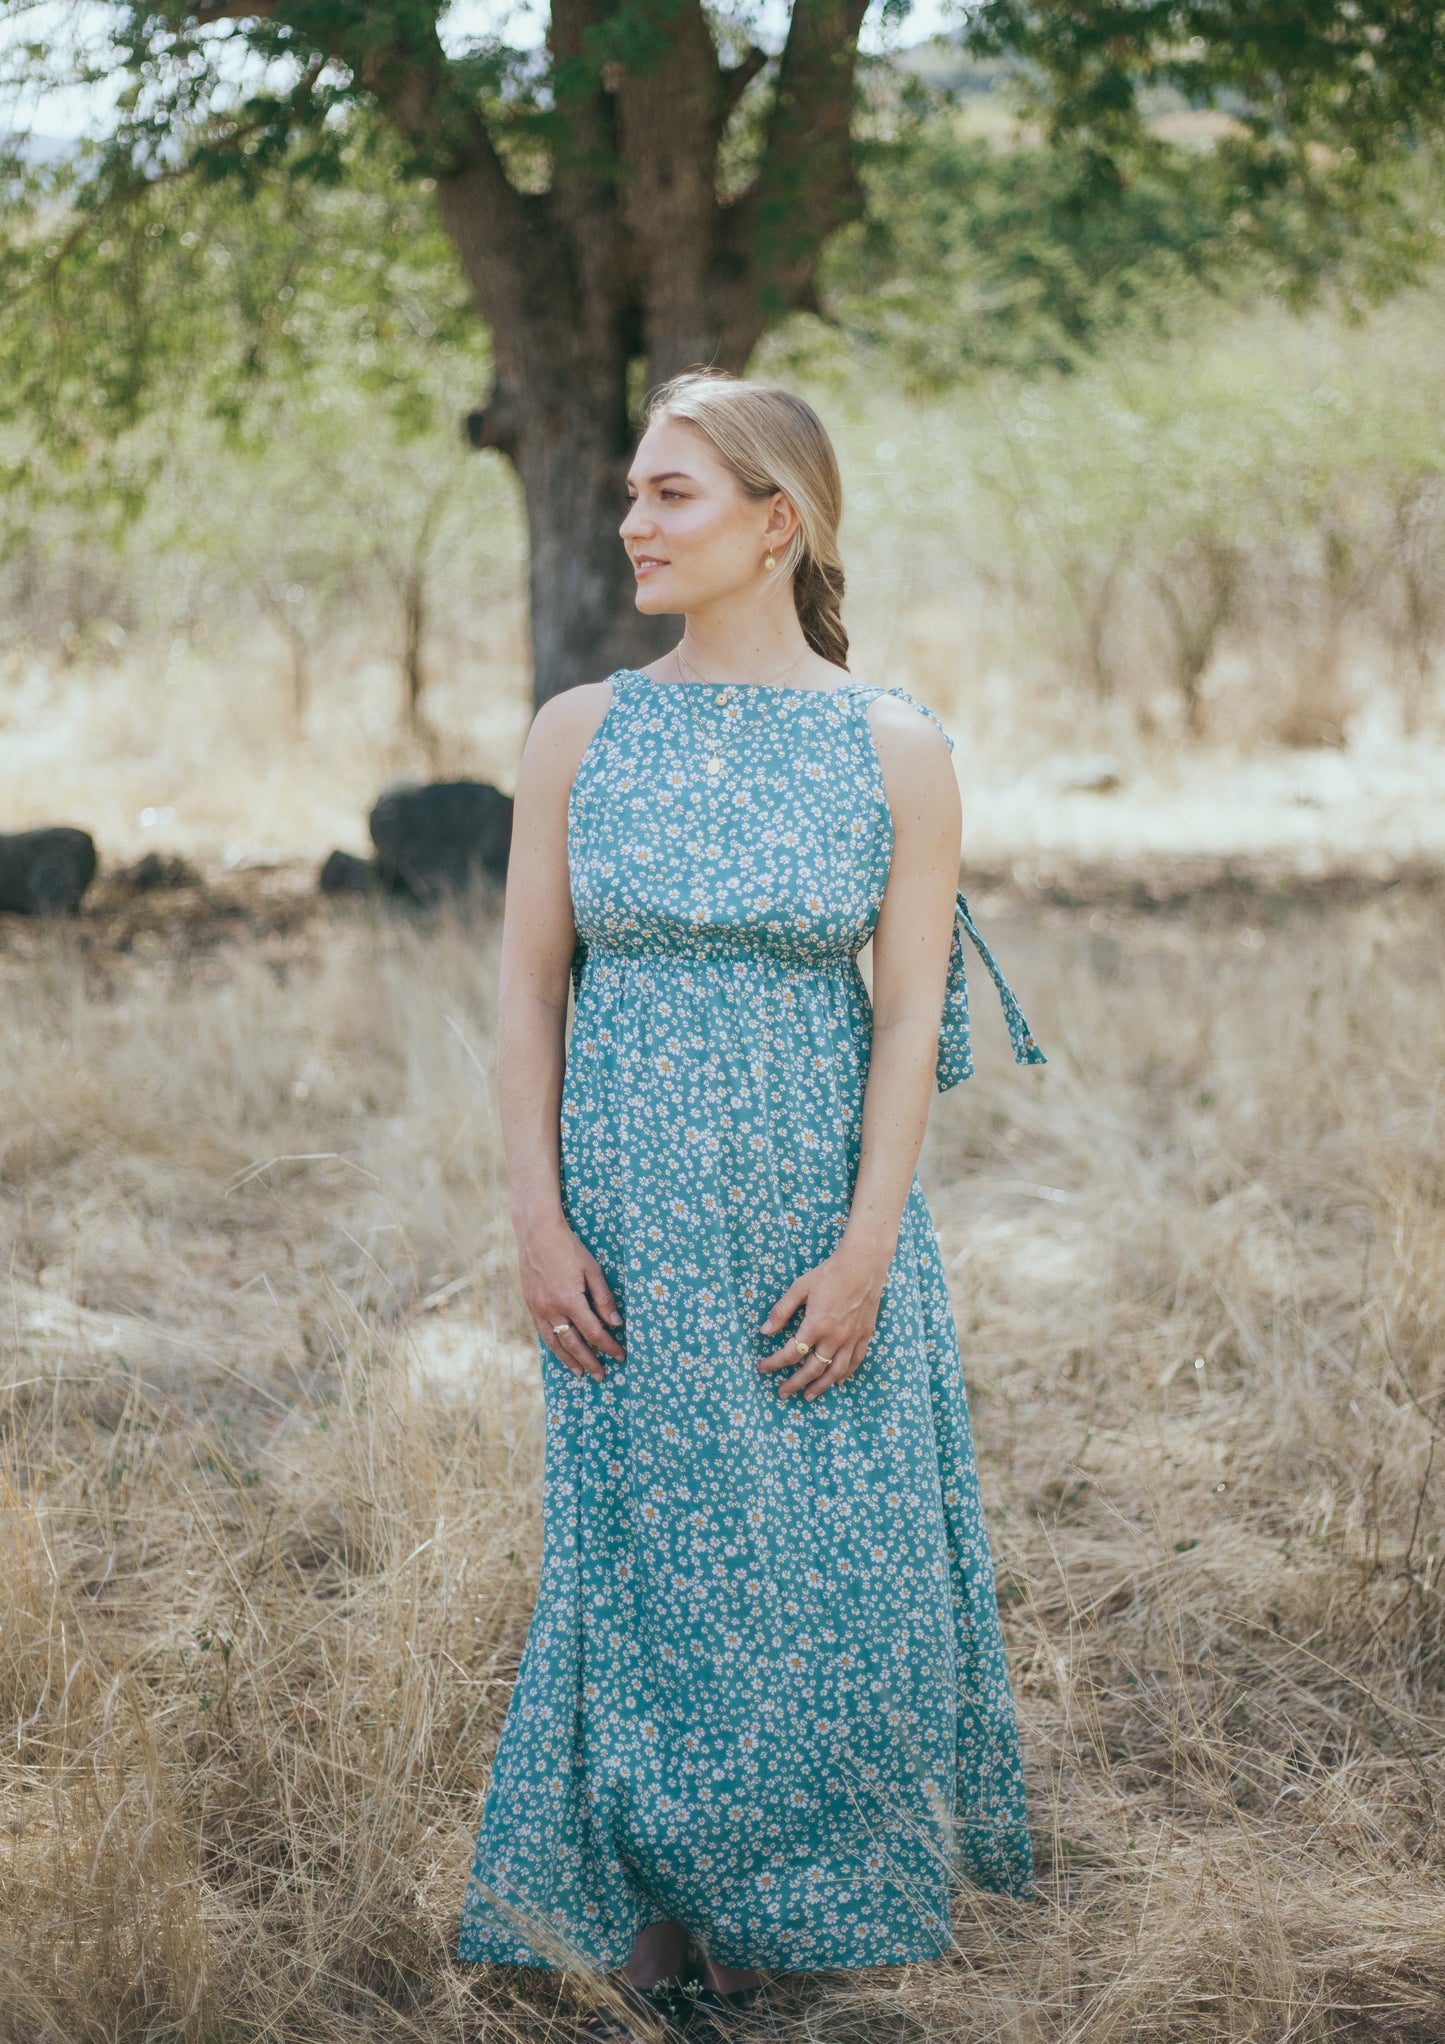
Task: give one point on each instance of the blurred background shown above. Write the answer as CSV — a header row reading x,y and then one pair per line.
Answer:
x,y
1142,448
1127,324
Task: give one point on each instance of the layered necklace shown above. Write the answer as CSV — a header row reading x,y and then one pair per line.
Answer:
x,y
723,696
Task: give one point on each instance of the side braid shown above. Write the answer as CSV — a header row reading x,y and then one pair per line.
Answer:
x,y
818,594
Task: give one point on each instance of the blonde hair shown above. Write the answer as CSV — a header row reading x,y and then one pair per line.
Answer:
x,y
771,441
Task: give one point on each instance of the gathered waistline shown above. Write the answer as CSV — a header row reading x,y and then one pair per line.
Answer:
x,y
605,957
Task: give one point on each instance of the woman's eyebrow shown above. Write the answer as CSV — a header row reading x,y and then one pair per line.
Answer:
x,y
671,475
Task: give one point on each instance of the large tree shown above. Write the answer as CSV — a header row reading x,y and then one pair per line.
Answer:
x,y
616,215
653,190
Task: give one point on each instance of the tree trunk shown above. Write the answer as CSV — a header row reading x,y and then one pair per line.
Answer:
x,y
630,256
585,622
413,629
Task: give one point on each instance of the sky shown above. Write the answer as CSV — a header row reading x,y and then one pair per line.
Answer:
x,y
66,114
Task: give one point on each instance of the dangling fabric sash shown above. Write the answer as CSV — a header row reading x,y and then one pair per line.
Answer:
x,y
955,1048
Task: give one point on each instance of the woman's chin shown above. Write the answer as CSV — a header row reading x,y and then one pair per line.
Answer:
x,y
652,601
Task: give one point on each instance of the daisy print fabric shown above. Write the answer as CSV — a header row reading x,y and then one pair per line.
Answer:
x,y
764,1690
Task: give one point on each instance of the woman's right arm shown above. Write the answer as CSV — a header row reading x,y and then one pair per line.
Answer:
x,y
561,1279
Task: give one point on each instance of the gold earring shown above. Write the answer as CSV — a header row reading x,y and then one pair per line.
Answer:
x,y
768,562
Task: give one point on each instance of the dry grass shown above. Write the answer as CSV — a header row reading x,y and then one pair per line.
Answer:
x,y
272,1443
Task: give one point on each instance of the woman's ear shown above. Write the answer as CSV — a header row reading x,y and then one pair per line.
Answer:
x,y
782,521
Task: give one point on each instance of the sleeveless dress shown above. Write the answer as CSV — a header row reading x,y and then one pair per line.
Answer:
x,y
763,1689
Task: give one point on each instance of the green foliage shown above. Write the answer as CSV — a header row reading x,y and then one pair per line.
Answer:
x,y
258,388
1332,119
240,302
973,255
249,219
983,246
1366,77
245,296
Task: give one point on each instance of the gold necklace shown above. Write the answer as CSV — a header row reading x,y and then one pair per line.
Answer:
x,y
772,682
714,764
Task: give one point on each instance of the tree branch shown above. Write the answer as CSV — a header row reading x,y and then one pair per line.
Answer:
x,y
498,423
235,10
806,186
109,203
672,106
584,157
738,77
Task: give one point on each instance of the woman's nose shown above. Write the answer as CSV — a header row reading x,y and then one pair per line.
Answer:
x,y
636,523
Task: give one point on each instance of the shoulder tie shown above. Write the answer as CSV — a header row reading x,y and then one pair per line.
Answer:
x,y
955,1042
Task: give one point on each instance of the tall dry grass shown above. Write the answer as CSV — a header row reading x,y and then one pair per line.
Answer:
x,y
272,1471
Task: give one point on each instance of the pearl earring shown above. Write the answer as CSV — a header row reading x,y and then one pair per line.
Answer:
x,y
768,562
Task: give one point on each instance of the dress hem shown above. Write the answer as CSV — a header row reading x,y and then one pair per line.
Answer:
x,y
850,1963
525,1956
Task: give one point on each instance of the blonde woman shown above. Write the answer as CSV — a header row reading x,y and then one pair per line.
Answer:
x,y
763,1716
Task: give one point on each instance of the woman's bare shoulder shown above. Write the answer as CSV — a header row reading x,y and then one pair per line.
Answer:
x,y
559,734
565,723
909,744
577,709
915,758
909,726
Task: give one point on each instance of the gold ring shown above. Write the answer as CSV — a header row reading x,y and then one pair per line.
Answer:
x,y
803,1347
825,1359
563,1327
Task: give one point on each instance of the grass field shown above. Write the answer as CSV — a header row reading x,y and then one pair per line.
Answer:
x,y
272,1434
273,1448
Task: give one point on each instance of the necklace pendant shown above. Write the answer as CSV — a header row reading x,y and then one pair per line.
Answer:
x,y
713,768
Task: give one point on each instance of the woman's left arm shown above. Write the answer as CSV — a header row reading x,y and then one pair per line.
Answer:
x,y
910,964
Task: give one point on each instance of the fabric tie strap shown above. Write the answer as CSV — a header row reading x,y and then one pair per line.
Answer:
x,y
955,1045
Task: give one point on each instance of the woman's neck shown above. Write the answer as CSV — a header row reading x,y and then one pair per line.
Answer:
x,y
762,642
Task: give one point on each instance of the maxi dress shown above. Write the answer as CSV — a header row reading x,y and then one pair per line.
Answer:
x,y
763,1690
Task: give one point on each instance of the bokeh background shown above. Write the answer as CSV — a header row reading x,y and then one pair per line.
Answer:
x,y
1143,442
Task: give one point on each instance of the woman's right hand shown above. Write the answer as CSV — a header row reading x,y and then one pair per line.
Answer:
x,y
562,1280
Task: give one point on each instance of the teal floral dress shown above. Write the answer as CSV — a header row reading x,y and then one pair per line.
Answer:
x,y
764,1690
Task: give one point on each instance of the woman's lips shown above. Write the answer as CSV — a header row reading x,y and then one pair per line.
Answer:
x,y
647,564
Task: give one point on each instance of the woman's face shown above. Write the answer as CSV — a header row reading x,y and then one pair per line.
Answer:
x,y
693,534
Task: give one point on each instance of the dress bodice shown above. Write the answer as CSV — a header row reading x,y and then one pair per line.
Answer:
x,y
782,849
746,823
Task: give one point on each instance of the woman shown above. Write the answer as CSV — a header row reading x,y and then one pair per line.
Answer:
x,y
763,1713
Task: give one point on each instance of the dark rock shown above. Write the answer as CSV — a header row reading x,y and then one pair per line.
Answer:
x,y
45,872
159,870
434,839
344,873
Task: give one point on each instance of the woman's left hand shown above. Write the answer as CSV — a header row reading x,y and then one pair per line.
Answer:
x,y
841,1295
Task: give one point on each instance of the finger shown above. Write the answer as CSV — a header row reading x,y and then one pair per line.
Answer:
x,y
830,1363
789,1353
807,1368
591,1329
788,1305
569,1348
601,1291
836,1372
578,1351
812,1333
556,1345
